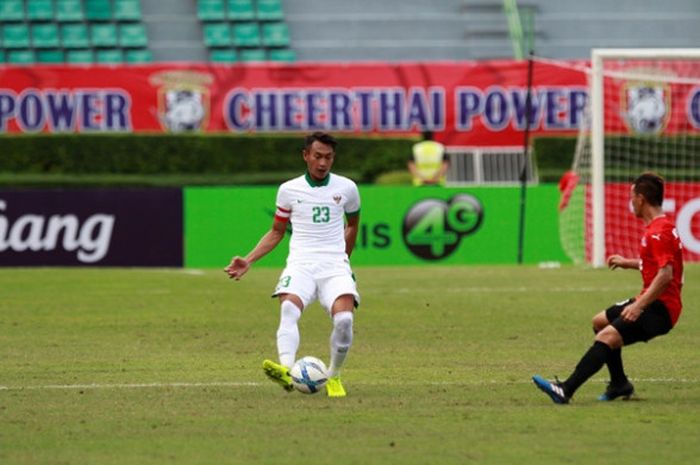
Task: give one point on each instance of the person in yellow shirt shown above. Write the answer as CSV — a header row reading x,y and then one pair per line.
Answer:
x,y
429,162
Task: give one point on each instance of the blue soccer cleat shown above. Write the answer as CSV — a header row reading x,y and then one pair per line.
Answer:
x,y
554,390
613,392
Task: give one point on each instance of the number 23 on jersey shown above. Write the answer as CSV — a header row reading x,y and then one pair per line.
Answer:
x,y
321,215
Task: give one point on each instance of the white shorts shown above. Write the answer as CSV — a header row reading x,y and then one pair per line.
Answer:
x,y
325,281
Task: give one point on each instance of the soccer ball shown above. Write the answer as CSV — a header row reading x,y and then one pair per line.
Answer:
x,y
309,375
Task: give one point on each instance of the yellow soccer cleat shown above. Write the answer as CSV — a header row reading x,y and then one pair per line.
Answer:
x,y
279,374
334,388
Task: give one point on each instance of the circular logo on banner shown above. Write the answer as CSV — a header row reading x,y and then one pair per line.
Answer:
x,y
432,228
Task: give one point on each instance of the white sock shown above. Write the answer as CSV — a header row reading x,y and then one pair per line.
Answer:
x,y
288,333
341,340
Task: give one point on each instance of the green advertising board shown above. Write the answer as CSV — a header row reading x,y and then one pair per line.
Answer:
x,y
398,225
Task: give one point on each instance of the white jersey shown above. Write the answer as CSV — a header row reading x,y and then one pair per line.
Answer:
x,y
317,212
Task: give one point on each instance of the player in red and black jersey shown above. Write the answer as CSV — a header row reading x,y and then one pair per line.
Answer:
x,y
652,313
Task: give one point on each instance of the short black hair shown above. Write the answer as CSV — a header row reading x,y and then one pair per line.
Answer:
x,y
651,186
322,137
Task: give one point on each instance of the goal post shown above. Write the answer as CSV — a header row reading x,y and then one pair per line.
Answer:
x,y
643,114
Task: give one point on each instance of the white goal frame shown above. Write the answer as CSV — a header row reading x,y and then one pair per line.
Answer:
x,y
598,55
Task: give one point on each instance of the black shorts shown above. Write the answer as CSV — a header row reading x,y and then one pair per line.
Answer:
x,y
654,321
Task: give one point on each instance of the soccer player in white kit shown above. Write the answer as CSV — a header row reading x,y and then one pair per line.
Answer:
x,y
318,266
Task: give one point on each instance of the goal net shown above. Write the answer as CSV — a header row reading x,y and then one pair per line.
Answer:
x,y
643,114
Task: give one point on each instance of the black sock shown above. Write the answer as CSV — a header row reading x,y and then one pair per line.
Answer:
x,y
589,365
617,372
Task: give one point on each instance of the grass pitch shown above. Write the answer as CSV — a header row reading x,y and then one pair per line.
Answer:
x,y
134,366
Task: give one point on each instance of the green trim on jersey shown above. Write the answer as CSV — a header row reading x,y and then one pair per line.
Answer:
x,y
355,213
313,183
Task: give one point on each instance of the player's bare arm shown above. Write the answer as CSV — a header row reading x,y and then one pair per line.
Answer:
x,y
618,261
657,287
240,266
351,233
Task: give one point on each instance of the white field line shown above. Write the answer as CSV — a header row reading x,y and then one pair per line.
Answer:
x,y
477,289
238,384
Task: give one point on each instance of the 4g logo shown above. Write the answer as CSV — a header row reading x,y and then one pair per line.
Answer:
x,y
433,228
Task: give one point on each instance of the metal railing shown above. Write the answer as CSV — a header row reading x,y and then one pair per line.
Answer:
x,y
488,166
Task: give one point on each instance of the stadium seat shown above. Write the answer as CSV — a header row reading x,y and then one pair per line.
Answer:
x,y
110,55
50,56
283,54
69,10
223,56
275,35
210,10
139,56
11,10
241,10
74,36
103,35
127,10
45,35
270,10
217,35
15,36
39,10
252,54
132,35
98,10
20,57
79,56
246,35
2,56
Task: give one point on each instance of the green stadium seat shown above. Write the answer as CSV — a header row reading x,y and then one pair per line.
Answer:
x,y
275,35
69,10
103,35
283,54
217,35
127,10
223,56
50,56
39,10
270,10
74,36
253,54
132,35
79,56
20,57
2,56
246,35
45,35
98,10
11,10
210,10
110,55
139,56
15,36
241,10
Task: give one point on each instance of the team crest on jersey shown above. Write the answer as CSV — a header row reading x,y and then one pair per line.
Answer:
x,y
647,106
183,99
337,198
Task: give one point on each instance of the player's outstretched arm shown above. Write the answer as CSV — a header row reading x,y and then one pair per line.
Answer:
x,y
240,266
618,261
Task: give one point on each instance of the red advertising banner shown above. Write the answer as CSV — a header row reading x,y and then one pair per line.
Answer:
x,y
652,97
623,231
464,103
